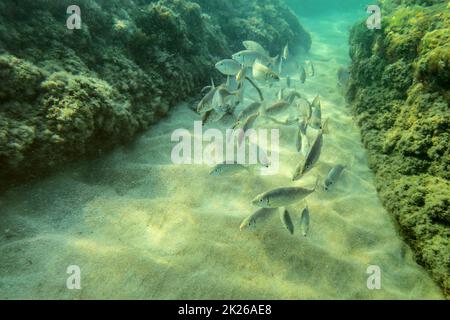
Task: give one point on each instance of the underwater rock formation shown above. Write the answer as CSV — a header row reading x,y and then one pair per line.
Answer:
x,y
399,95
66,94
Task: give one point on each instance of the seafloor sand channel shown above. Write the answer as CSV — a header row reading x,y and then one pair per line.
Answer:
x,y
140,227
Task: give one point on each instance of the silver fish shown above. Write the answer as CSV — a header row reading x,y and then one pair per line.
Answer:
x,y
263,73
255,46
290,98
260,216
277,107
286,52
282,197
227,169
305,108
316,117
301,135
310,67
206,103
247,58
286,220
304,221
249,110
302,75
250,121
311,158
333,176
228,67
288,81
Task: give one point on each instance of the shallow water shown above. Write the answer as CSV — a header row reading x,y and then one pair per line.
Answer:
x,y
140,227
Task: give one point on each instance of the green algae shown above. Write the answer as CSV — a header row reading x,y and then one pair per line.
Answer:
x,y
399,95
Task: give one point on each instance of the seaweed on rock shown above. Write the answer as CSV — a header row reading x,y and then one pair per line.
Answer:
x,y
66,94
399,95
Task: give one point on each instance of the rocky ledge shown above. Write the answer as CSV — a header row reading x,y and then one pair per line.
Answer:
x,y
399,95
67,94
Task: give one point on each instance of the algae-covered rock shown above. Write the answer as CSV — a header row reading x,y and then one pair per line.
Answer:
x,y
399,95
66,94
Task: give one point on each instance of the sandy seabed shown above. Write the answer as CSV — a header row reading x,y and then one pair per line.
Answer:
x,y
140,227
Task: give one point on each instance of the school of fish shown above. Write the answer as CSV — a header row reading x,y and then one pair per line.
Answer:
x,y
254,65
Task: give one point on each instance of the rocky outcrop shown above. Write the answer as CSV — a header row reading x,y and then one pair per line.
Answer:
x,y
399,95
66,94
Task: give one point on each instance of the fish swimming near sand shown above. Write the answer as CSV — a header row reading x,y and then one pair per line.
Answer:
x,y
227,169
291,96
333,176
304,108
286,220
206,103
263,73
310,68
311,158
249,110
277,107
228,67
302,75
286,52
256,219
304,221
282,197
301,135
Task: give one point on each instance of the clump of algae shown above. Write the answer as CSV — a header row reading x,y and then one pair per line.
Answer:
x,y
68,94
399,94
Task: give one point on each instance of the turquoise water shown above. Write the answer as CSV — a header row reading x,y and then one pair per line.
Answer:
x,y
139,226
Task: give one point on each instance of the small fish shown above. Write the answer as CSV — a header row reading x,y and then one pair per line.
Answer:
x,y
286,220
228,67
286,52
304,108
302,75
246,125
288,81
310,66
311,158
333,176
227,169
263,73
247,58
343,76
282,197
287,122
301,135
250,121
304,221
255,46
206,103
292,96
277,107
316,117
222,99
249,110
250,223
